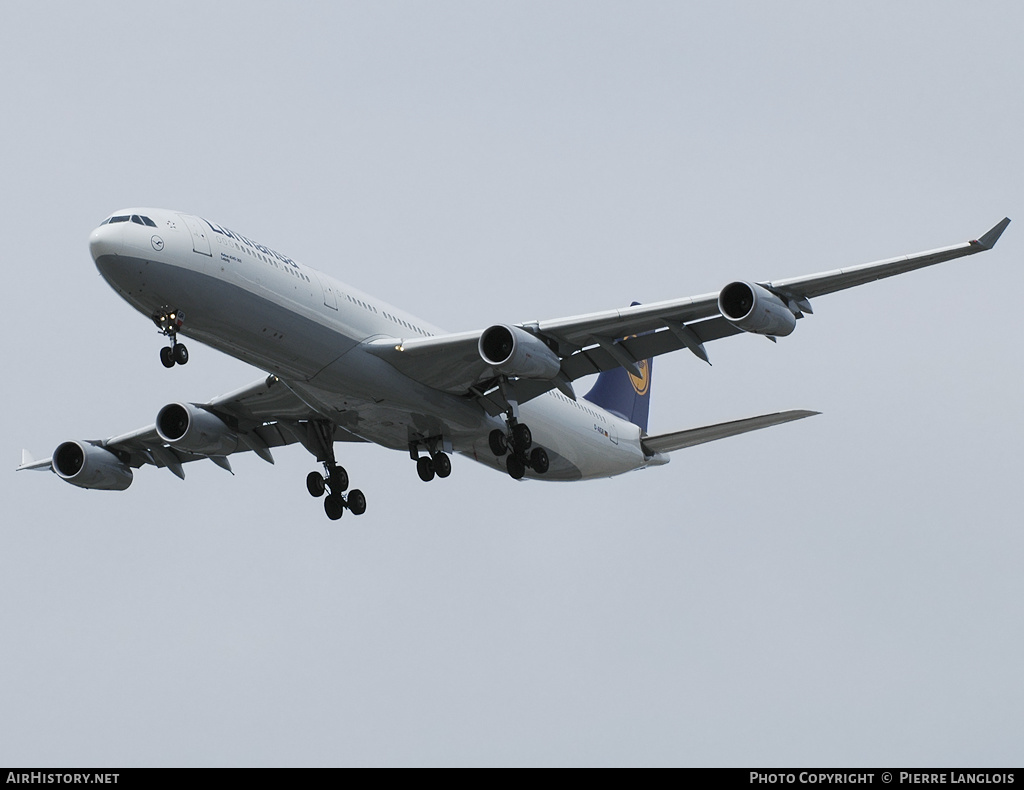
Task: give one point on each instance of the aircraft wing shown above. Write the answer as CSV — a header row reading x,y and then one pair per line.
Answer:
x,y
263,415
594,342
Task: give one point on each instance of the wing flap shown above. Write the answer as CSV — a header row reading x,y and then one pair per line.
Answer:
x,y
581,330
667,442
597,359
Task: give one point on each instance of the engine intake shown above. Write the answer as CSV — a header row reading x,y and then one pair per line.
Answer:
x,y
515,352
88,466
194,430
752,308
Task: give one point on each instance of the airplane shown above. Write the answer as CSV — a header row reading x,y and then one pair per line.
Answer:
x,y
343,366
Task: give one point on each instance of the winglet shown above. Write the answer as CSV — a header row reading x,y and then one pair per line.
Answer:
x,y
988,241
28,462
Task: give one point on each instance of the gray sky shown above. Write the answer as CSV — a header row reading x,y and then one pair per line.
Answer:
x,y
841,591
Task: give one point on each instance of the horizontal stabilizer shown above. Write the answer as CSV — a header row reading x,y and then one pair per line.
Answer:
x,y
667,442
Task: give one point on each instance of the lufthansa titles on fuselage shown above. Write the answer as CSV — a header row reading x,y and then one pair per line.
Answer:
x,y
239,237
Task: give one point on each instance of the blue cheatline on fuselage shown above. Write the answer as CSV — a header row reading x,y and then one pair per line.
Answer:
x,y
624,394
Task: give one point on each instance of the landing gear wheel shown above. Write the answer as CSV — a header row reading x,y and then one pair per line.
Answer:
x,y
339,479
167,356
334,507
425,469
516,468
499,446
539,460
356,502
181,354
521,437
315,484
442,465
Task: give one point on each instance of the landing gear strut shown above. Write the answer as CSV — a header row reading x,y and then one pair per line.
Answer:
x,y
169,321
434,463
334,480
517,440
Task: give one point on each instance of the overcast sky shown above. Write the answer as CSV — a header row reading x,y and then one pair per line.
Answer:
x,y
845,590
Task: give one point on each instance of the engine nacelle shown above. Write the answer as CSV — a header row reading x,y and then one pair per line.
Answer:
x,y
515,352
194,430
88,466
752,308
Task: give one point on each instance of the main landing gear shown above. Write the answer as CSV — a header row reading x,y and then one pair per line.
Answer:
x,y
334,480
435,462
169,321
517,441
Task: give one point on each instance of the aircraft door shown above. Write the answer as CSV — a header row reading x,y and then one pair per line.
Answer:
x,y
613,433
330,298
200,237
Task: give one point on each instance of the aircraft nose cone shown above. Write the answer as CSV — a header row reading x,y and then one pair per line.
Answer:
x,y
106,240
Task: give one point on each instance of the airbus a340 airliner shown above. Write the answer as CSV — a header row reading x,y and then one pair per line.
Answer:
x,y
346,367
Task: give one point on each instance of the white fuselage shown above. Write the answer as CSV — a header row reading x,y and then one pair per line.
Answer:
x,y
309,329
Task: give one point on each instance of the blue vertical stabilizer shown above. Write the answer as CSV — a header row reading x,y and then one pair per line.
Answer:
x,y
623,394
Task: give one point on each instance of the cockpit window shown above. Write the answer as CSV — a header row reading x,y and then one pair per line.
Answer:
x,y
138,219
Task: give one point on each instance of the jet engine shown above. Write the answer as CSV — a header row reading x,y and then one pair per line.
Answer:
x,y
752,308
194,430
88,466
515,352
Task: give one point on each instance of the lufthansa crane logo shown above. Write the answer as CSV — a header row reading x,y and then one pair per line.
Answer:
x,y
641,383
157,242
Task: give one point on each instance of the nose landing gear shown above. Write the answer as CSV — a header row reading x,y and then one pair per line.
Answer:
x,y
169,321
